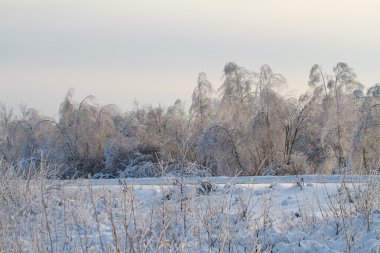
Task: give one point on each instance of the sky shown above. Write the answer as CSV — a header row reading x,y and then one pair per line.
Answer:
x,y
152,51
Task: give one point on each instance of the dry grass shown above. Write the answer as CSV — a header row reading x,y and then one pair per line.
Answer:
x,y
38,215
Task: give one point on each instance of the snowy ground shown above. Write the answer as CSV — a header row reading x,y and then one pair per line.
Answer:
x,y
246,214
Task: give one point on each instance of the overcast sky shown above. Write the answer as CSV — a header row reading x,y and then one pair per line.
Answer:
x,y
152,51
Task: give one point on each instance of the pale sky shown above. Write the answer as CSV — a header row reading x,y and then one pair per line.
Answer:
x,y
152,51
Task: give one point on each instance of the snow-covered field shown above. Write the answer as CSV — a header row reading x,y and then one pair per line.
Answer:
x,y
245,214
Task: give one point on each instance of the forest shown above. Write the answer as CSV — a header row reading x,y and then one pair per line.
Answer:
x,y
244,127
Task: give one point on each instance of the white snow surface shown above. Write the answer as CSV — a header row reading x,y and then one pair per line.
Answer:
x,y
217,214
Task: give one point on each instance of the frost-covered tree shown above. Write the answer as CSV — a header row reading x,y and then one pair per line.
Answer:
x,y
365,140
318,80
218,148
335,110
201,106
234,109
6,118
267,79
267,133
250,129
237,84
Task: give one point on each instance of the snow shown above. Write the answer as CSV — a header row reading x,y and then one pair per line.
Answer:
x,y
221,214
224,180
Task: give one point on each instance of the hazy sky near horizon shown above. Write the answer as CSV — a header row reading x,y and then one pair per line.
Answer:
x,y
152,51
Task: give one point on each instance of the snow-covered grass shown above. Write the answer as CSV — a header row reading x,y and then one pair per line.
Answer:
x,y
251,214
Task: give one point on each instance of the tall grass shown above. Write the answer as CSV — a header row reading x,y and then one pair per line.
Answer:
x,y
40,215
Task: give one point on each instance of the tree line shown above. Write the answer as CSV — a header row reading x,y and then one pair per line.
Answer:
x,y
244,127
